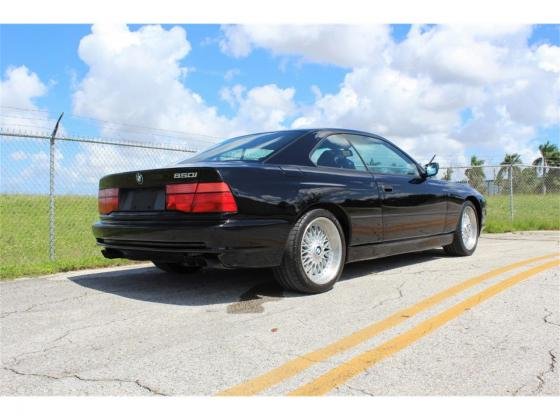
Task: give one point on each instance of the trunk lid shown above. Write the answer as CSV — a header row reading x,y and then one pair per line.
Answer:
x,y
144,191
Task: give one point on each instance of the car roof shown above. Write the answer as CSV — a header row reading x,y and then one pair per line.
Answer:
x,y
344,130
324,130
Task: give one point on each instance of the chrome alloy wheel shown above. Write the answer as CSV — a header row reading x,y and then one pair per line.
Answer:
x,y
469,228
321,250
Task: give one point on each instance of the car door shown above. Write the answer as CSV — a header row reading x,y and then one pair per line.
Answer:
x,y
342,178
411,205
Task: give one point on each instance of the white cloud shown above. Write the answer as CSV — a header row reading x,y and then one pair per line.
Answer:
x,y
134,77
266,106
548,57
232,95
449,54
388,101
415,91
19,90
137,77
20,87
236,42
346,45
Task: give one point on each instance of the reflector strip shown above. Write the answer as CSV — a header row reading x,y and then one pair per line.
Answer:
x,y
208,187
181,188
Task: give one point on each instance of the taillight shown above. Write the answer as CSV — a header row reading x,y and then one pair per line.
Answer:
x,y
179,197
202,197
215,197
108,200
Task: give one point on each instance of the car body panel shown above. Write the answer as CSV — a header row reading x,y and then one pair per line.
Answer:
x,y
411,207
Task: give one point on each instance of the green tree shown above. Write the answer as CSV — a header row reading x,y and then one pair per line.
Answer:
x,y
475,175
504,177
550,156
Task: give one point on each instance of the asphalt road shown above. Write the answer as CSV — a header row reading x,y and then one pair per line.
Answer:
x,y
417,324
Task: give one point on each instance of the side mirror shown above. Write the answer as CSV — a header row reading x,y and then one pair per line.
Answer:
x,y
432,169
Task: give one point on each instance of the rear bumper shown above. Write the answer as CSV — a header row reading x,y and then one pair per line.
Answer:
x,y
231,243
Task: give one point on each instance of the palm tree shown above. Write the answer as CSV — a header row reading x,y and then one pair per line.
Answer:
x,y
512,159
550,156
513,172
476,161
475,174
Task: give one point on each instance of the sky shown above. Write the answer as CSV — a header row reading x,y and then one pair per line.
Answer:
x,y
448,90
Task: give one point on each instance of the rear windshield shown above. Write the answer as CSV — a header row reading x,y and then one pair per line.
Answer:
x,y
251,148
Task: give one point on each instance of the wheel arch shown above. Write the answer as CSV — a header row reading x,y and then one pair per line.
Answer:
x,y
340,215
478,209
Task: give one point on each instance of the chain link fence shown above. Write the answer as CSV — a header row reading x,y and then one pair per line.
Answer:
x,y
519,197
35,172
38,238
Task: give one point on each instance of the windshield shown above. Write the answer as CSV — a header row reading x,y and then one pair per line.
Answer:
x,y
251,148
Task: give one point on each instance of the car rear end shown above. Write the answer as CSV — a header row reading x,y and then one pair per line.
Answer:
x,y
189,215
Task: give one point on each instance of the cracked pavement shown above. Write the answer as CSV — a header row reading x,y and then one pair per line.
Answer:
x,y
138,331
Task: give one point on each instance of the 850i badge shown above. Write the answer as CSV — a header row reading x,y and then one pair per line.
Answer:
x,y
183,175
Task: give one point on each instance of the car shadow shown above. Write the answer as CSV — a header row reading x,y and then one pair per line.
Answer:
x,y
244,289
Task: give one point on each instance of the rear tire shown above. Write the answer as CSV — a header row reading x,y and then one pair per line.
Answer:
x,y
315,254
465,238
176,268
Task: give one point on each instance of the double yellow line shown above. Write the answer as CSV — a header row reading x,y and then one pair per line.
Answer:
x,y
360,363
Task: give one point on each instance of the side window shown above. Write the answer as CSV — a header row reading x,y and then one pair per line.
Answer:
x,y
379,157
336,152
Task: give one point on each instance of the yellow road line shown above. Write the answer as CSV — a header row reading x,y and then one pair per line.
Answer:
x,y
364,361
297,365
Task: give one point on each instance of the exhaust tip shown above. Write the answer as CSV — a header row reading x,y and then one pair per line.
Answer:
x,y
111,253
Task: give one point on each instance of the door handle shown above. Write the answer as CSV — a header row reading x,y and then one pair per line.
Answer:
x,y
387,188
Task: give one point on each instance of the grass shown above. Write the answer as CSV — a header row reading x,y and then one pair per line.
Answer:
x,y
24,235
530,212
24,230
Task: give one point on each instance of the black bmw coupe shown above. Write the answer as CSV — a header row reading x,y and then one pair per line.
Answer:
x,y
303,202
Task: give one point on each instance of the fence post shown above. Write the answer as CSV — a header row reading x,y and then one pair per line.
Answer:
x,y
511,191
51,191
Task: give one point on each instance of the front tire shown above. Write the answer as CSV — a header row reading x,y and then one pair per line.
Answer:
x,y
465,238
176,268
315,254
